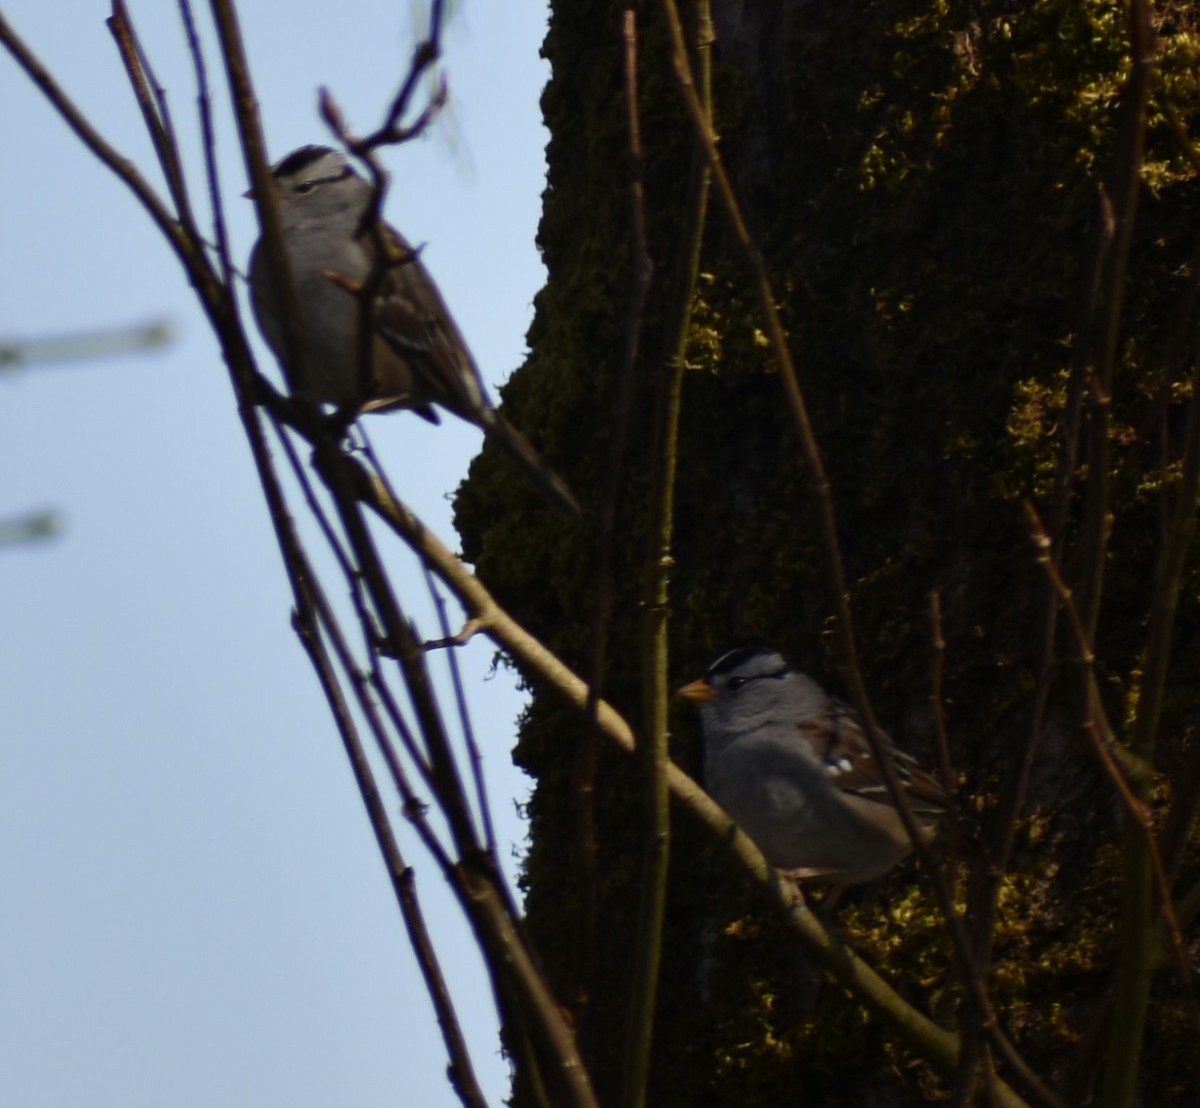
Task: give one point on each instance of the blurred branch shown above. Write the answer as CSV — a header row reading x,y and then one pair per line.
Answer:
x,y
32,527
19,353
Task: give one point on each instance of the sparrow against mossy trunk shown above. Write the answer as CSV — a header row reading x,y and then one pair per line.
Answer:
x,y
418,358
792,767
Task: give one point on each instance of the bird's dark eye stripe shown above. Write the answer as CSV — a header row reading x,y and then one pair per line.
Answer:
x,y
737,682
312,183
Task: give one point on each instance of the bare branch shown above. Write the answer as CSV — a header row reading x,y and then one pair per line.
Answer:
x,y
652,752
937,709
464,716
461,1072
641,271
254,152
190,253
152,100
1122,766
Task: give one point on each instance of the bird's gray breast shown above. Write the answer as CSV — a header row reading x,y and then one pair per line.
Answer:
x,y
770,788
781,795
325,269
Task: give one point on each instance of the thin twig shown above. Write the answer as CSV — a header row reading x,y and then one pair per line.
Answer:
x,y
460,638
426,54
208,137
405,647
1143,864
464,716
641,271
190,253
937,707
156,114
1121,765
652,753
460,1071
254,151
1103,340
216,299
654,757
477,876
371,637
386,252
985,892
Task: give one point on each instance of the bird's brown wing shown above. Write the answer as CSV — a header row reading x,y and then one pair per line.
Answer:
x,y
414,321
841,744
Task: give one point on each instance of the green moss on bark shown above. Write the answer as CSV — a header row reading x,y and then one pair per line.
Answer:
x,y
922,178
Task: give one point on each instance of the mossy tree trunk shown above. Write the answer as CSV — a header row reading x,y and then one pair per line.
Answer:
x,y
923,179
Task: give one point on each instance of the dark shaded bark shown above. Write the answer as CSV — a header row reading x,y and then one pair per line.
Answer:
x,y
922,180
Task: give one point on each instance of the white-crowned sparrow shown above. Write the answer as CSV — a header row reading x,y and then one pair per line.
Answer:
x,y
792,767
418,357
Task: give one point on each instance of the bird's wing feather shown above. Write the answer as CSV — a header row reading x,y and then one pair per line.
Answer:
x,y
840,743
415,322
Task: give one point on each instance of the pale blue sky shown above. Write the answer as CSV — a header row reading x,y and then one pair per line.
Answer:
x,y
194,911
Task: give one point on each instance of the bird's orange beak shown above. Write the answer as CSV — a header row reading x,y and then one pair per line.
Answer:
x,y
699,691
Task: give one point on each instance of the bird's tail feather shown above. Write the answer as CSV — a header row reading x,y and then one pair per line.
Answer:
x,y
548,481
